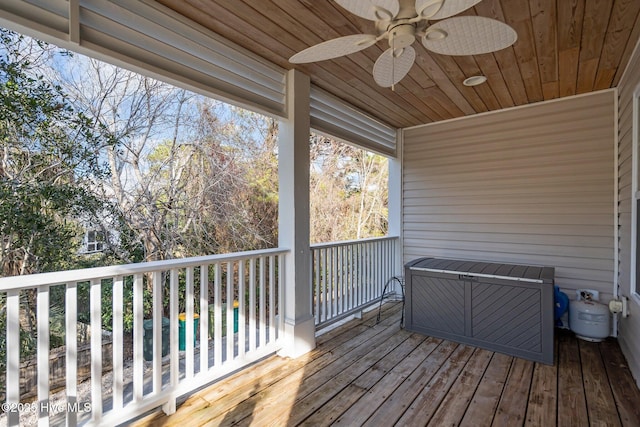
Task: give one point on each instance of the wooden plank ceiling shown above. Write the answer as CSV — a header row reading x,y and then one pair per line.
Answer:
x,y
564,48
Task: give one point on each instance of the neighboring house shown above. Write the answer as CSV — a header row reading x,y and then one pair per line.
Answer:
x,y
93,241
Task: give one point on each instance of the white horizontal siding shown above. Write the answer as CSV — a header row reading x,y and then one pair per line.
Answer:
x,y
332,116
629,328
529,185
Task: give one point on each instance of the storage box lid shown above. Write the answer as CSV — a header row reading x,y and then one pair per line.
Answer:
x,y
525,273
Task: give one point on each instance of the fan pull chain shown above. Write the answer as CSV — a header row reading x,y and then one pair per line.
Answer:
x,y
393,62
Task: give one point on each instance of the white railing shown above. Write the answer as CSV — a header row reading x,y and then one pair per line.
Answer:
x,y
349,276
251,282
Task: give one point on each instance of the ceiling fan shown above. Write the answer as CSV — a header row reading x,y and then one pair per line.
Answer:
x,y
400,22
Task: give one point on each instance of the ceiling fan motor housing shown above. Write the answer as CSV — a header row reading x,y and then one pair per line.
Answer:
x,y
402,35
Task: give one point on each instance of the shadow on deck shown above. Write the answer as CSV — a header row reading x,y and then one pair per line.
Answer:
x,y
363,373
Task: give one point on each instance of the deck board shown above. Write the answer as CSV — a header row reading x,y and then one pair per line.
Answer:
x,y
482,408
572,405
597,389
455,403
363,373
541,409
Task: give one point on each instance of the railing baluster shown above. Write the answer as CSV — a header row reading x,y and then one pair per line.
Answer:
x,y
229,312
334,285
272,300
242,331
369,265
347,275
217,316
204,318
174,297
95,303
324,293
352,277
138,337
252,305
118,343
189,332
43,355
281,284
315,275
358,268
13,355
261,310
157,332
339,281
71,350
377,264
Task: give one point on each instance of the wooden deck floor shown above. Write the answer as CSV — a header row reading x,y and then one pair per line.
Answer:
x,y
364,373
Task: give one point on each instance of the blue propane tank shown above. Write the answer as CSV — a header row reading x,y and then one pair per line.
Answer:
x,y
561,304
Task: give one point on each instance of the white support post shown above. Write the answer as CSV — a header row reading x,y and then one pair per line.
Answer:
x,y
395,204
293,210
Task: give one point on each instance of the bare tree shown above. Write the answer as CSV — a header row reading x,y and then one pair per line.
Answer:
x,y
348,191
181,164
147,121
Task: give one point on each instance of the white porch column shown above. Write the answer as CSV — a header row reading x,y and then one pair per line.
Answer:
x,y
293,212
395,202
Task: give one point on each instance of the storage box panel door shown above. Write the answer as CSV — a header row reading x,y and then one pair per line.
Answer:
x,y
507,315
437,302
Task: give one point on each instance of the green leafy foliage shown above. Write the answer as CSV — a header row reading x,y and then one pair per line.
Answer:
x,y
49,157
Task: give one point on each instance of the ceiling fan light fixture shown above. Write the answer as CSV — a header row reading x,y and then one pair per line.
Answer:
x,y
474,80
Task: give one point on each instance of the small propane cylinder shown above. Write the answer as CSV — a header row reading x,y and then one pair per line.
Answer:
x,y
588,318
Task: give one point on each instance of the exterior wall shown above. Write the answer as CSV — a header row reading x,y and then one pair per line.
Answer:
x,y
527,185
629,328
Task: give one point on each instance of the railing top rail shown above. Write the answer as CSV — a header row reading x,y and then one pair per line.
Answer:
x,y
59,277
352,242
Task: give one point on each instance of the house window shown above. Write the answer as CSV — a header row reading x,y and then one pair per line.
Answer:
x,y
94,241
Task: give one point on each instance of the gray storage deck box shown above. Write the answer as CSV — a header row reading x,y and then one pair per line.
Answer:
x,y
501,307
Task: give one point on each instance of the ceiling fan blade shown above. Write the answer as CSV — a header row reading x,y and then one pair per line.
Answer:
x,y
334,48
390,68
468,35
375,10
440,9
